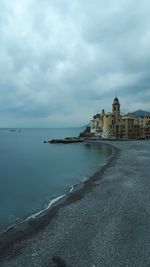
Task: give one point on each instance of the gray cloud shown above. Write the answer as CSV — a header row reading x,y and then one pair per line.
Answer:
x,y
62,61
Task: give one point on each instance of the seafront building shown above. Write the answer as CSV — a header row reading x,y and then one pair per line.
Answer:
x,y
114,125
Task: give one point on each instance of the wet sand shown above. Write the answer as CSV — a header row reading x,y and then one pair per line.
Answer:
x,y
104,222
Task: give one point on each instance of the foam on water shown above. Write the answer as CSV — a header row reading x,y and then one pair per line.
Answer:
x,y
36,215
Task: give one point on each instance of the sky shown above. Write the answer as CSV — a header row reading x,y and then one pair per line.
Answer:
x,y
62,61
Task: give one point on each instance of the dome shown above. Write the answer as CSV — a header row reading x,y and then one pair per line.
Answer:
x,y
116,100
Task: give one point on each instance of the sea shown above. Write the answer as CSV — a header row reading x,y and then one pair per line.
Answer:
x,y
34,173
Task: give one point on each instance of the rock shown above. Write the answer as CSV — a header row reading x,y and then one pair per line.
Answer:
x,y
86,133
67,140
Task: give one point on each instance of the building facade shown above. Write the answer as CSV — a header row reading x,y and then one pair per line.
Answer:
x,y
113,125
144,122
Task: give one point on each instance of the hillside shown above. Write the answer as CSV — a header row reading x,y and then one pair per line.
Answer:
x,y
140,112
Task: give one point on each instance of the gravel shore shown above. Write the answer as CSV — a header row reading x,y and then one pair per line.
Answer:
x,y
108,226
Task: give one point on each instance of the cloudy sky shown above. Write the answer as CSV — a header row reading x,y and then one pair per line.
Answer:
x,y
62,61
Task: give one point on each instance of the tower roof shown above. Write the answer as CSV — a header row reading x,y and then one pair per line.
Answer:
x,y
116,100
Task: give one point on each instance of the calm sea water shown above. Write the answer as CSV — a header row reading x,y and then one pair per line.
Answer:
x,y
32,173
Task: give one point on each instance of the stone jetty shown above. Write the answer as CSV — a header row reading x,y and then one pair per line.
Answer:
x,y
67,140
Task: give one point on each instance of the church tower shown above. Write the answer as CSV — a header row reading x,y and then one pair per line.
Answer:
x,y
116,109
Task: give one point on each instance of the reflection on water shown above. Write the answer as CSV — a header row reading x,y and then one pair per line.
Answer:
x,y
100,149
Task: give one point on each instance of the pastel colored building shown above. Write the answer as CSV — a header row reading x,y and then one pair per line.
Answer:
x,y
113,125
144,122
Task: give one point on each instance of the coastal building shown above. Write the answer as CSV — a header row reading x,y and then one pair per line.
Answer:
x,y
114,125
144,122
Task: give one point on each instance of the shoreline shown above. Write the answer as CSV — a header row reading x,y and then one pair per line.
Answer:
x,y
108,226
36,222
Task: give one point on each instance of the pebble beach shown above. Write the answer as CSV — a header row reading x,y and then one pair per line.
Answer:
x,y
105,222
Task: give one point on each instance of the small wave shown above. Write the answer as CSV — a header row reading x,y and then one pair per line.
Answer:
x,y
71,189
76,185
85,179
34,216
54,200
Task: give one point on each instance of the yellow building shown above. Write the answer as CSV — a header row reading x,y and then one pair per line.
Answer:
x,y
112,125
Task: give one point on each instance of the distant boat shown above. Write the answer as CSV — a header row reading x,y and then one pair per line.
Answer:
x,y
12,130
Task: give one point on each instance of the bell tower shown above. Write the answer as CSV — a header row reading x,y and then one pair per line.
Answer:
x,y
116,109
